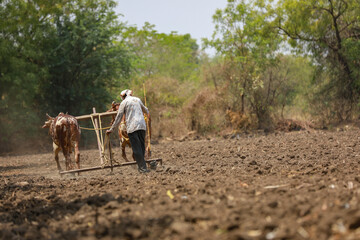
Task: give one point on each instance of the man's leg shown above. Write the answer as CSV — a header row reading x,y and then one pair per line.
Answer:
x,y
142,141
137,139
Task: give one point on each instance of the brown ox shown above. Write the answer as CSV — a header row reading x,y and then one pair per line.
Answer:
x,y
65,133
123,136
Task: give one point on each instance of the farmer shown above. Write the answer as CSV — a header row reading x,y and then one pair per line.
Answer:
x,y
133,109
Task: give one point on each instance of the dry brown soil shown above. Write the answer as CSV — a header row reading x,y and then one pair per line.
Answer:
x,y
297,185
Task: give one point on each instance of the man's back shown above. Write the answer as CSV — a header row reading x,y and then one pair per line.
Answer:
x,y
133,110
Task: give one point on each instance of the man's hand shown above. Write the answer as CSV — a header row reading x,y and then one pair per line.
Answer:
x,y
108,131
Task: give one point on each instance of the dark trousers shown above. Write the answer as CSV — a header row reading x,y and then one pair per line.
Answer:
x,y
137,140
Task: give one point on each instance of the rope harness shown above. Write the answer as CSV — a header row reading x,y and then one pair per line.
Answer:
x,y
95,129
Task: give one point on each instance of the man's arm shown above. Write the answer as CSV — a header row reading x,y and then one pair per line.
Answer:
x,y
118,117
143,108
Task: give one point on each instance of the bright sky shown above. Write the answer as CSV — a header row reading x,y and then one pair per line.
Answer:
x,y
183,16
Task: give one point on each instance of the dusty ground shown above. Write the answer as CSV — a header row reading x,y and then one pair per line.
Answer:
x,y
298,185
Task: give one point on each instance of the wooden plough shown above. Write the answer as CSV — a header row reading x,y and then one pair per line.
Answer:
x,y
103,141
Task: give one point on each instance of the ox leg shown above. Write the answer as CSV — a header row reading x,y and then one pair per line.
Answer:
x,y
67,160
122,142
127,143
57,149
77,156
147,153
123,146
147,148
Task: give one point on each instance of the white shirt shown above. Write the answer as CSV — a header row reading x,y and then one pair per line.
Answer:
x,y
133,109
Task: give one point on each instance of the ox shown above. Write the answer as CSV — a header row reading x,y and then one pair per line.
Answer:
x,y
123,136
65,133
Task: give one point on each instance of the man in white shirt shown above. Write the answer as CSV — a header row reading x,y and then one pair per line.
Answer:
x,y
133,108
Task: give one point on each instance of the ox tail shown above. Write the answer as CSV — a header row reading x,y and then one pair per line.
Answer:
x,y
61,135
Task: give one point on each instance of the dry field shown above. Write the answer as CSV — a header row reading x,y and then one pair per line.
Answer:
x,y
297,185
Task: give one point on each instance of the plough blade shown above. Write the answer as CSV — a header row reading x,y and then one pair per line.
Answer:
x,y
106,167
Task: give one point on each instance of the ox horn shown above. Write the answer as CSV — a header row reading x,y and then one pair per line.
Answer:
x,y
47,115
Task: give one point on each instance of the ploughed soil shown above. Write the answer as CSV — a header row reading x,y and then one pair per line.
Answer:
x,y
295,185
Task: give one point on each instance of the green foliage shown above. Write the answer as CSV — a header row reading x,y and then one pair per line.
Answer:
x,y
167,92
158,54
19,73
84,61
329,32
250,35
248,43
56,56
71,55
169,66
352,49
295,87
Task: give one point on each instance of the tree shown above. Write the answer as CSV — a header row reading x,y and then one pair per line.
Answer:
x,y
329,30
56,56
169,67
85,60
19,71
158,54
295,75
248,43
